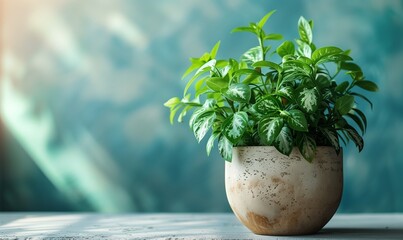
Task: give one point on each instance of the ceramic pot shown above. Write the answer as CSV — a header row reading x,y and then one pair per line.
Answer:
x,y
273,194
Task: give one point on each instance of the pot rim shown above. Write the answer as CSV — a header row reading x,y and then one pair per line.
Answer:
x,y
317,147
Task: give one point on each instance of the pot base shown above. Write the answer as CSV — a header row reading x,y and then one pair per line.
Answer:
x,y
273,194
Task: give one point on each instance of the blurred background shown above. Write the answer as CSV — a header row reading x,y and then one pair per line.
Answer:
x,y
82,87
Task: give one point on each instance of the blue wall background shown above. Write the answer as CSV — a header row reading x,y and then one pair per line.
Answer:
x,y
83,84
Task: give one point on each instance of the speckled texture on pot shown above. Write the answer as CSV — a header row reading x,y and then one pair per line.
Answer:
x,y
273,194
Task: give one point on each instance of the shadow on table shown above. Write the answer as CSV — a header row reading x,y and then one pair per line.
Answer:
x,y
361,233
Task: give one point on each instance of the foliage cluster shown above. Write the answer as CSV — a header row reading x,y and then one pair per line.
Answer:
x,y
255,101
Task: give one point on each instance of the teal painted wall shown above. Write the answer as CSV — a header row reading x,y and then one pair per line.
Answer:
x,y
83,85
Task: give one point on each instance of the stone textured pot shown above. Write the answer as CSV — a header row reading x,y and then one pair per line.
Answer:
x,y
273,194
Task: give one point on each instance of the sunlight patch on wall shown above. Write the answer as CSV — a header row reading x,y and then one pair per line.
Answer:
x,y
68,167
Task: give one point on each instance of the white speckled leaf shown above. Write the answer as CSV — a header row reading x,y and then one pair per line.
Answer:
x,y
283,142
270,128
297,120
307,148
203,124
309,99
332,137
225,148
239,92
355,136
235,126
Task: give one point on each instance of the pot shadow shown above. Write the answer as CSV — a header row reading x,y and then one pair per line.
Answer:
x,y
360,233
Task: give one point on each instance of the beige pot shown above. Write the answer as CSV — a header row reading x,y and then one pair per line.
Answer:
x,y
273,194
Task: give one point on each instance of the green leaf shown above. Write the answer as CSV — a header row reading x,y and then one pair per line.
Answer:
x,y
355,136
183,113
344,104
273,36
307,147
269,64
322,81
309,99
350,66
297,121
358,121
238,92
363,97
263,21
245,71
200,87
235,126
341,88
332,137
225,148
362,116
217,83
367,85
252,78
337,58
305,30
267,105
311,24
173,112
244,29
172,102
321,55
205,68
192,67
286,48
213,52
269,128
283,142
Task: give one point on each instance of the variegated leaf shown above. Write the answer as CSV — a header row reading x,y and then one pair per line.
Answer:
x,y
355,136
210,143
297,121
239,92
235,126
196,114
305,30
207,66
225,148
332,137
320,55
269,129
309,99
286,92
284,141
305,50
307,147
252,55
202,124
267,105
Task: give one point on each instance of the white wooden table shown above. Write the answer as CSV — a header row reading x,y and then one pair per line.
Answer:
x,y
181,226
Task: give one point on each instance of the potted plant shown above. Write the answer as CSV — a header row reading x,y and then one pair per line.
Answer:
x,y
270,110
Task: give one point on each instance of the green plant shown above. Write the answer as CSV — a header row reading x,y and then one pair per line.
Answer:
x,y
256,101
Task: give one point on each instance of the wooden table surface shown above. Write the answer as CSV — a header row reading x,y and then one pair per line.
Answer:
x,y
181,226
